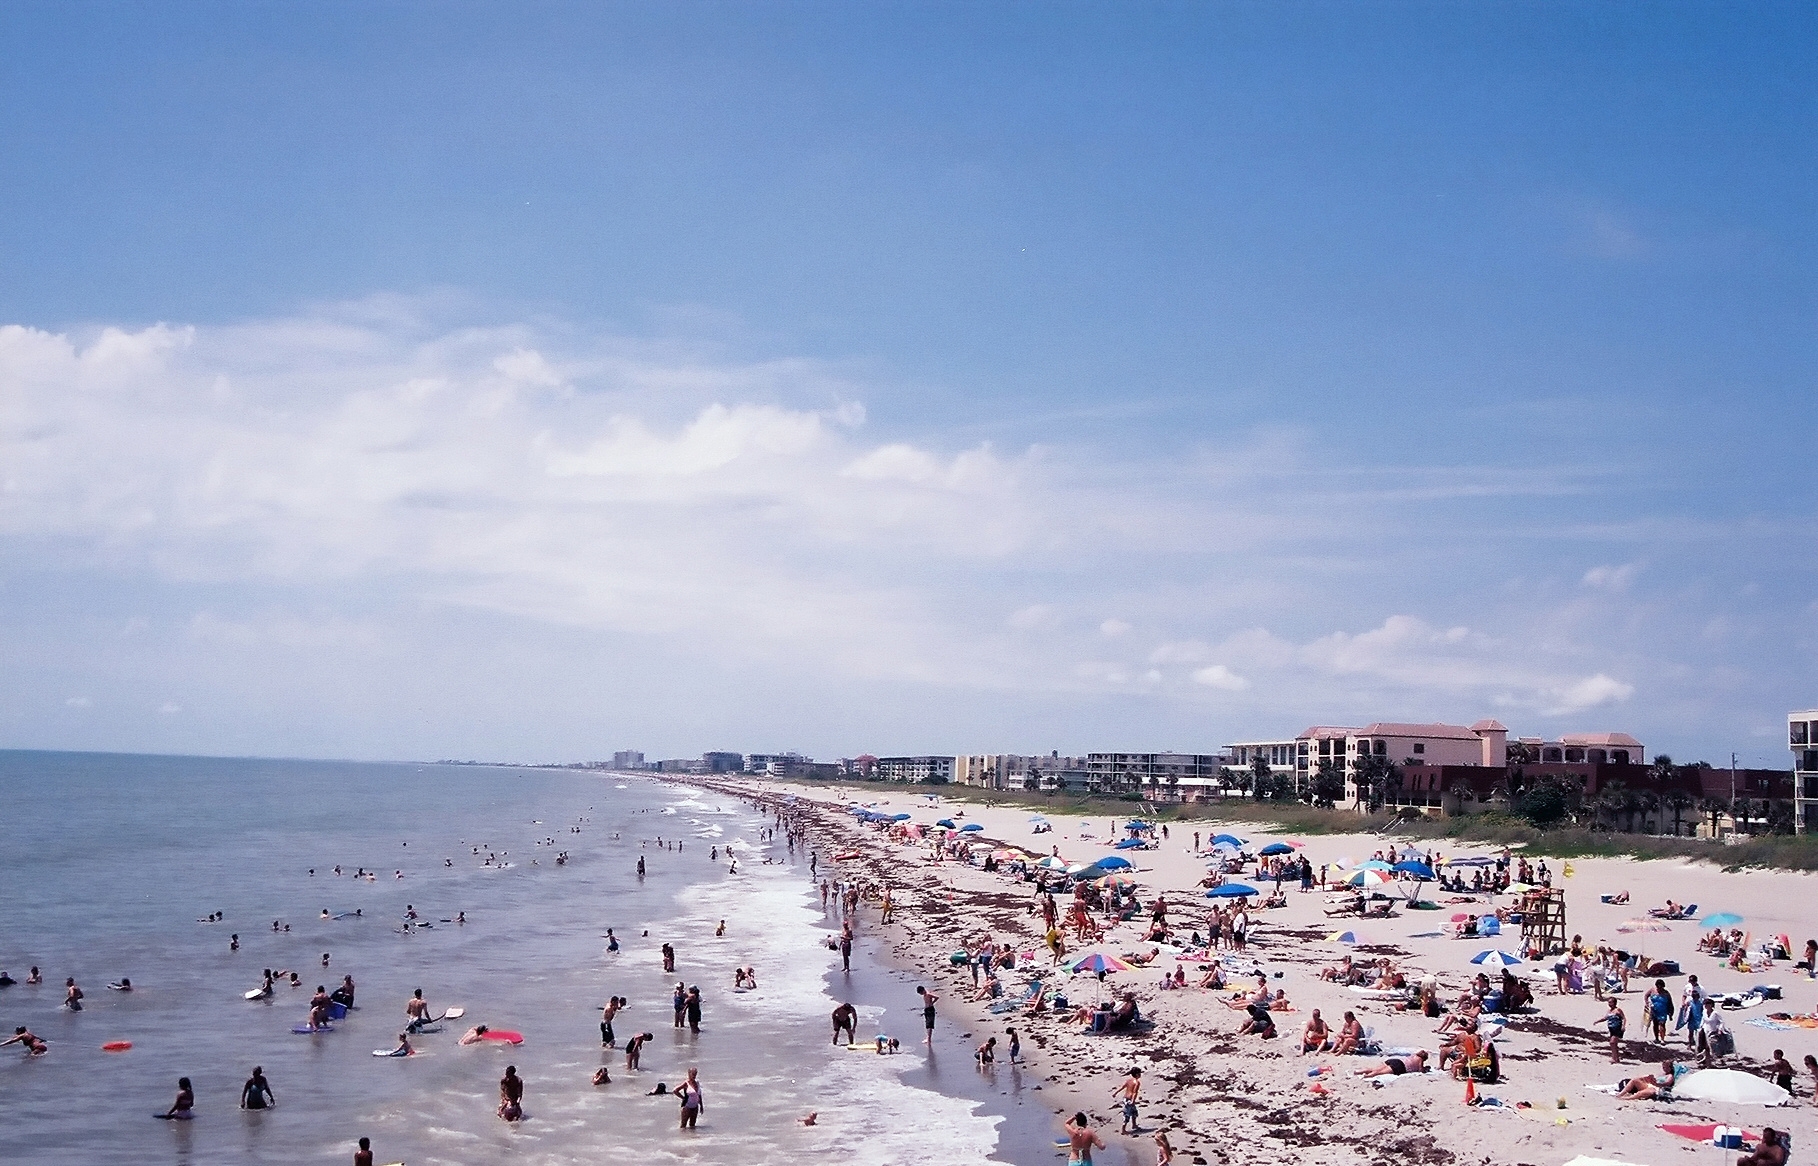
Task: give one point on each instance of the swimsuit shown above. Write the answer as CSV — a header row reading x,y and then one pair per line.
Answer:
x,y
1396,1066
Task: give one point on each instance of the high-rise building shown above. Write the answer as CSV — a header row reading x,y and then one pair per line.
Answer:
x,y
628,759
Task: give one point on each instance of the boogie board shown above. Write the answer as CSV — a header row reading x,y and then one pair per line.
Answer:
x,y
305,1030
503,1036
428,1028
392,1053
116,1046
257,994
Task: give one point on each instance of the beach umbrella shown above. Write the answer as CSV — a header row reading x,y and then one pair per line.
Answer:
x,y
1233,839
1366,878
1729,1085
1231,891
1375,864
899,817
1497,959
1721,919
1136,826
1052,863
1419,869
1343,863
1087,870
970,826
1474,861
1642,925
1114,862
1128,844
1275,848
947,822
1343,937
1224,848
1519,888
1099,961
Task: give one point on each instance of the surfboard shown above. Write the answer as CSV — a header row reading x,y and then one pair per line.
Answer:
x,y
256,994
504,1036
117,1046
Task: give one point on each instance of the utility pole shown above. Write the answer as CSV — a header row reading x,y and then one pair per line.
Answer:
x,y
1732,788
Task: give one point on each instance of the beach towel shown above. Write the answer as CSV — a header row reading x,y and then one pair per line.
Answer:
x,y
1764,1022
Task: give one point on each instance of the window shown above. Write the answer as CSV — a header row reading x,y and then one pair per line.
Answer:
x,y
1796,733
1574,755
1598,756
1550,755
1325,747
1382,748
1420,747
1620,756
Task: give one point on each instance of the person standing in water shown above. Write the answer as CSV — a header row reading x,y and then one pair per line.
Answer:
x,y
256,1093
1082,1139
72,996
417,1009
184,1107
692,1005
690,1093
607,1040
928,999
511,1094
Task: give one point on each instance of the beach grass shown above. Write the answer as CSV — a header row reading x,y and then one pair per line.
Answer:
x,y
1767,851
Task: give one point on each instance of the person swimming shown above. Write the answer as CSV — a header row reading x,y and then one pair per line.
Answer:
x,y
34,1046
474,1035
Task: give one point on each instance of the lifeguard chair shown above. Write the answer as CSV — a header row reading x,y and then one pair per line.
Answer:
x,y
1543,921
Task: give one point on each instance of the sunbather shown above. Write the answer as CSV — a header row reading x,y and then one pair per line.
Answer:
x,y
1396,1066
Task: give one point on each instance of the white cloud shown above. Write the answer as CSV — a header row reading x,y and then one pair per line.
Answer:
x,y
1219,676
1113,627
1608,578
1034,616
1587,693
79,702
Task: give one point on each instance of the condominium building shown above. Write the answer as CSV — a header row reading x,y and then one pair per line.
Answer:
x,y
1174,776
934,769
1013,770
628,759
1802,739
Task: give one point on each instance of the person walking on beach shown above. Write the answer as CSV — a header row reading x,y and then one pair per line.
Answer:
x,y
1659,1005
928,999
1082,1139
689,1092
846,949
1128,1093
1615,1021
256,1093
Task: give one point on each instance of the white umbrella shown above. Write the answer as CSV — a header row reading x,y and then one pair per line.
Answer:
x,y
1731,1086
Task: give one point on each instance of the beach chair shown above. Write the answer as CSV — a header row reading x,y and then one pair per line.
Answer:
x,y
1369,1046
1026,1000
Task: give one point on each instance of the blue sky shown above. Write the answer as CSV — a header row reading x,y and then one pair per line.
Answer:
x,y
534,381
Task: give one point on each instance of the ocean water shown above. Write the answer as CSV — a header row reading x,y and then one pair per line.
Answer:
x,y
108,862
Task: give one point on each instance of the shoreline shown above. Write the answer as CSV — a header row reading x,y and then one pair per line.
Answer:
x,y
884,973
1229,1098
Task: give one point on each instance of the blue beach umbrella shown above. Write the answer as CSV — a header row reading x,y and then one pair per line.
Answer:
x,y
1128,844
970,826
947,822
1375,864
1417,869
1721,919
899,817
1275,848
1233,839
1495,959
1113,862
1231,891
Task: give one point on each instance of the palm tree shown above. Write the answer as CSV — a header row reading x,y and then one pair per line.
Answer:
x,y
1259,769
1678,801
1716,808
1662,770
1646,802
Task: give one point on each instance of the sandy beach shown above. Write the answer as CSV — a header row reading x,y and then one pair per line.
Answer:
x,y
1230,1098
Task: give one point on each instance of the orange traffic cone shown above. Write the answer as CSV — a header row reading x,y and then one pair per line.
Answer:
x,y
1470,1090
